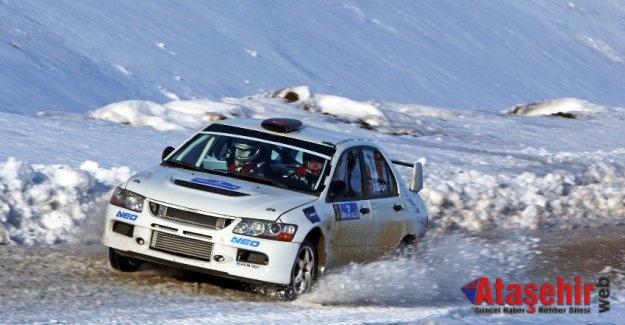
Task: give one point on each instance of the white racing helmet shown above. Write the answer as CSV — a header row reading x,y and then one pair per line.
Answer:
x,y
247,152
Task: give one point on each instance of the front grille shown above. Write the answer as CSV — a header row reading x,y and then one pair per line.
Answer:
x,y
193,218
181,246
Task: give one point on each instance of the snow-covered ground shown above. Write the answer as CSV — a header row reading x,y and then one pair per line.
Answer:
x,y
515,109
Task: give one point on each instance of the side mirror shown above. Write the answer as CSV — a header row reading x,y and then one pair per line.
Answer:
x,y
337,189
167,151
416,184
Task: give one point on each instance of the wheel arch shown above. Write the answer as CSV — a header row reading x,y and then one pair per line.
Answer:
x,y
317,238
410,238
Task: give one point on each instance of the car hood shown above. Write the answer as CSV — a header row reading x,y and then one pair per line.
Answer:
x,y
228,196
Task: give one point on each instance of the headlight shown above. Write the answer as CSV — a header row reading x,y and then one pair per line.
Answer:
x,y
127,199
266,229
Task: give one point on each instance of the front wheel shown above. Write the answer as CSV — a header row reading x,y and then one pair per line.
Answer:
x,y
304,271
123,263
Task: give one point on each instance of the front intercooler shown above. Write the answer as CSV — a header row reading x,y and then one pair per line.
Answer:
x,y
181,246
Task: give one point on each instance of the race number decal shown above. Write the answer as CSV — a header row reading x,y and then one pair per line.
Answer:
x,y
346,211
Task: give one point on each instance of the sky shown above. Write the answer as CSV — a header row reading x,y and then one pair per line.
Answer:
x,y
92,92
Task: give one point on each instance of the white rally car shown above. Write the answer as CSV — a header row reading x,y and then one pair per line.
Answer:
x,y
270,201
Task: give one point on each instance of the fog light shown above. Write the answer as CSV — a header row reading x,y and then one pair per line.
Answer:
x,y
252,257
139,241
123,228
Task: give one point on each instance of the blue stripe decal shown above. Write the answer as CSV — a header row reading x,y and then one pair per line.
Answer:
x,y
216,183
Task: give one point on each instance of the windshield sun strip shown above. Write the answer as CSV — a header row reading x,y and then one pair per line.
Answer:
x,y
322,155
322,149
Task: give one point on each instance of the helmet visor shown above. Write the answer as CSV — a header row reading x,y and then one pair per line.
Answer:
x,y
246,152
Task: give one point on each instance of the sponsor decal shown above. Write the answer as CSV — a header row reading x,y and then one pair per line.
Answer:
x,y
127,215
311,214
216,183
346,211
560,297
245,241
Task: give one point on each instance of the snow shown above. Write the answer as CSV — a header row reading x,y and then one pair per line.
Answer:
x,y
486,55
553,107
486,175
514,109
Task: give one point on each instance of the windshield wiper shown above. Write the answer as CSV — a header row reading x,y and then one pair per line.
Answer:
x,y
183,164
259,179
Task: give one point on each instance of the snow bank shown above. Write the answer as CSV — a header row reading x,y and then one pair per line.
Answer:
x,y
562,198
172,116
47,204
192,114
554,107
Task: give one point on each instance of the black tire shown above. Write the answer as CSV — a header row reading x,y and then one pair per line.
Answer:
x,y
407,248
123,263
304,272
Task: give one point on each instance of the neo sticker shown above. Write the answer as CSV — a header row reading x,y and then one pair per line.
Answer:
x,y
245,241
127,215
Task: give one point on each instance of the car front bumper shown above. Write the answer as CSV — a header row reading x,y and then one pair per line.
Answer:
x,y
215,251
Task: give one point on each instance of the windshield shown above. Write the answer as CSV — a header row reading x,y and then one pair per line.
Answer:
x,y
277,164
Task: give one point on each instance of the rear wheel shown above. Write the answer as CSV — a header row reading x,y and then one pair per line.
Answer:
x,y
407,248
123,263
304,271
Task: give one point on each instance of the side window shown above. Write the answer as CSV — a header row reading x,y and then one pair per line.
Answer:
x,y
378,175
348,170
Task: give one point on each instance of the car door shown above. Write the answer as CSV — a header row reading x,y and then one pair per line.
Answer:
x,y
388,216
351,217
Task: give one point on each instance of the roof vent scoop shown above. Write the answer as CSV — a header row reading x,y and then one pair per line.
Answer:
x,y
281,125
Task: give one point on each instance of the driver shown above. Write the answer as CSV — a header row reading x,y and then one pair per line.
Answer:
x,y
310,171
249,159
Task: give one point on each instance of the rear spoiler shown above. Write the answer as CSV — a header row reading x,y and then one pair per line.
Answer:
x,y
416,183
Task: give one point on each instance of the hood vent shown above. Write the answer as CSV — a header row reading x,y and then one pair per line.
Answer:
x,y
207,188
